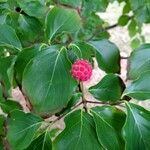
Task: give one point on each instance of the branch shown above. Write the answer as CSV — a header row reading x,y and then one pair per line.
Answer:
x,y
83,102
101,31
105,29
111,27
83,96
124,57
67,113
105,103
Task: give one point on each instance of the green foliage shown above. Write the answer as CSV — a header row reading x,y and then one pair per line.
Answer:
x,y
136,128
39,42
22,126
9,105
8,37
60,20
49,65
111,84
42,142
107,55
80,130
109,122
139,61
139,88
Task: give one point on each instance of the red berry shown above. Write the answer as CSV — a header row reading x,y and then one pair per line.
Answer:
x,y
81,70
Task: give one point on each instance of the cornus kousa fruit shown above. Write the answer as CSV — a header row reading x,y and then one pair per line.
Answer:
x,y
81,70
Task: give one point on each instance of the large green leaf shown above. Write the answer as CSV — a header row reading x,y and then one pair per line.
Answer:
x,y
136,130
6,74
139,61
141,9
43,142
30,29
110,88
25,56
8,37
107,55
79,133
22,60
9,105
34,8
140,88
22,128
109,122
49,75
61,20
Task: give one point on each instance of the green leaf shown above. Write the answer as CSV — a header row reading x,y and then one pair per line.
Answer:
x,y
9,105
73,3
136,130
80,50
93,6
2,119
8,37
30,29
79,133
107,55
141,10
123,20
1,144
61,20
23,127
110,88
109,122
23,59
135,43
6,74
132,28
35,8
139,88
139,61
49,75
126,8
43,142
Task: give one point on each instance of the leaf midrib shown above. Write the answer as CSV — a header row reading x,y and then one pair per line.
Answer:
x,y
141,137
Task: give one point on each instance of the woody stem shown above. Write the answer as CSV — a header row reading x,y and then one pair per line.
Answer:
x,y
83,96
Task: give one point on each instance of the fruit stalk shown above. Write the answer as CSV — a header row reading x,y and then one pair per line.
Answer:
x,y
83,96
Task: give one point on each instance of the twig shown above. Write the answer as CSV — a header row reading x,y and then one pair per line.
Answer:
x,y
94,102
66,114
105,29
105,103
124,57
101,31
83,96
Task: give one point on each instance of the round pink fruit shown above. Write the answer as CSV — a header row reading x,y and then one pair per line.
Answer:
x,y
81,70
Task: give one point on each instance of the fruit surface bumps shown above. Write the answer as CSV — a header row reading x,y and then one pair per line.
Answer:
x,y
81,70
